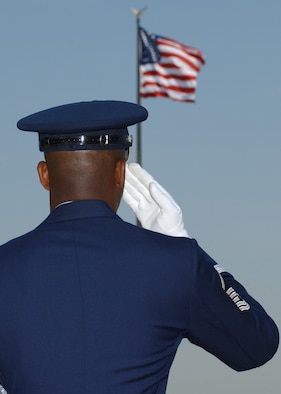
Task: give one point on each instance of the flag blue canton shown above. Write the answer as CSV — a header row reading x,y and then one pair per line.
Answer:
x,y
150,52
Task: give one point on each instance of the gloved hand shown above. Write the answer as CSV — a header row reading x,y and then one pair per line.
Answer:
x,y
2,390
152,204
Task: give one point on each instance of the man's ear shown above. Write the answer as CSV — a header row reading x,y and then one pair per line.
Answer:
x,y
120,173
43,173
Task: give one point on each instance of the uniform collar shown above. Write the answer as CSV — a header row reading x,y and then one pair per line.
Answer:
x,y
80,209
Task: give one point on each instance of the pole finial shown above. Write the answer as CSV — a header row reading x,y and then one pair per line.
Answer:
x,y
138,13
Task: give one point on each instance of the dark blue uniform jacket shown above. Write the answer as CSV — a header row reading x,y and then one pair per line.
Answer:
x,y
90,304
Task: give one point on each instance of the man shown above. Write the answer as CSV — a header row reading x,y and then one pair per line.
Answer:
x,y
91,304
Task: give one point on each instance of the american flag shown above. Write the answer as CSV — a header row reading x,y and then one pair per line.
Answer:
x,y
168,68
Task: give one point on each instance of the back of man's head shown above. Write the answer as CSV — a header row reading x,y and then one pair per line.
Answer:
x,y
86,146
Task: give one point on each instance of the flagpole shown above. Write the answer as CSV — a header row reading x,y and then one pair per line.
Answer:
x,y
137,14
139,139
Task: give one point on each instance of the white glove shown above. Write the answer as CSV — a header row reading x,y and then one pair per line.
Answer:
x,y
2,390
152,204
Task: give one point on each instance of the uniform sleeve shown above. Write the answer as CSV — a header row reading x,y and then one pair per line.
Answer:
x,y
225,320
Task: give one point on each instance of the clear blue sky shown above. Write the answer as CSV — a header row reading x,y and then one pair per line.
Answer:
x,y
219,158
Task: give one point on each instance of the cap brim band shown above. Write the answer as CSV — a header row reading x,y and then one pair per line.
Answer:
x,y
84,142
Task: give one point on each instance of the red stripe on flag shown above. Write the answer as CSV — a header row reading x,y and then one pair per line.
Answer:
x,y
175,88
182,58
176,76
190,51
163,94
